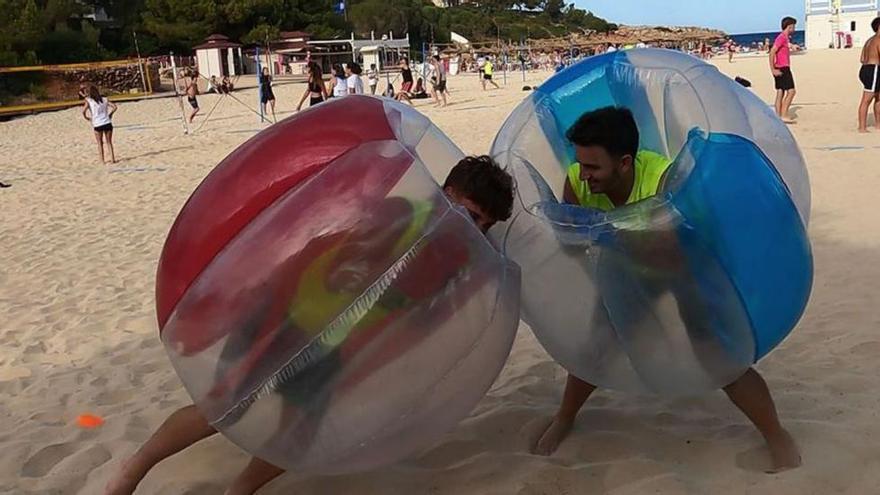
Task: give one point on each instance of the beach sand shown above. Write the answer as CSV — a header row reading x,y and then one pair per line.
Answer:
x,y
78,251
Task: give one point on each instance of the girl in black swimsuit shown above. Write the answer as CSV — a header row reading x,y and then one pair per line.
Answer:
x,y
316,92
266,93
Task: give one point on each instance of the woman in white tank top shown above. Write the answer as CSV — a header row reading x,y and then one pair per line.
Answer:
x,y
337,81
99,111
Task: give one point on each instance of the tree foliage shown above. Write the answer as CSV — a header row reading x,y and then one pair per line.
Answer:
x,y
55,31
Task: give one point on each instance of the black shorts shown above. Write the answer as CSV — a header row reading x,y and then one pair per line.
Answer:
x,y
193,102
785,82
440,86
487,77
870,77
314,100
104,128
267,96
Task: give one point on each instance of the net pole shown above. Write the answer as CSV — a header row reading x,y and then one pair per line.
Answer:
x,y
140,61
177,94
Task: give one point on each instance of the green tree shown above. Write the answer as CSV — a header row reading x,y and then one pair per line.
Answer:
x,y
181,24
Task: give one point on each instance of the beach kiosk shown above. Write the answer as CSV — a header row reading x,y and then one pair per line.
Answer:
x,y
839,23
218,56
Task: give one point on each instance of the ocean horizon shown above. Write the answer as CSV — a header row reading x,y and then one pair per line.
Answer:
x,y
746,39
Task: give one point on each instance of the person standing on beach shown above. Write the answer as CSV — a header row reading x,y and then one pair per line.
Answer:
x,y
99,111
780,67
438,82
869,74
353,79
611,171
266,93
373,78
338,86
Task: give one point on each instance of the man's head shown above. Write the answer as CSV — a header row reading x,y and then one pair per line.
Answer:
x,y
606,142
789,24
479,185
875,25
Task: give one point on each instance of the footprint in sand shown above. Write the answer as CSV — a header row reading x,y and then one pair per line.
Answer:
x,y
39,464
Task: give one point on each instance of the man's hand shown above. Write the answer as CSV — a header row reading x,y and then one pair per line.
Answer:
x,y
777,72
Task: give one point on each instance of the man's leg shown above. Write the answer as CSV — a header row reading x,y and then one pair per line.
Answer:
x,y
877,110
786,104
183,428
778,104
867,98
750,394
576,393
257,473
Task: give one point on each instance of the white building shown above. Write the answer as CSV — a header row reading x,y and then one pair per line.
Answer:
x,y
218,56
834,23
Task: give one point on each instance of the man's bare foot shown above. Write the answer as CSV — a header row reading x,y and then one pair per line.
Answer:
x,y
552,436
784,452
788,120
864,131
124,482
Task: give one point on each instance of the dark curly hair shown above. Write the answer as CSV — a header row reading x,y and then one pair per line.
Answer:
x,y
875,24
481,180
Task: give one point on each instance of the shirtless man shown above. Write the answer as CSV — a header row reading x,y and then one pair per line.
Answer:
x,y
870,77
192,90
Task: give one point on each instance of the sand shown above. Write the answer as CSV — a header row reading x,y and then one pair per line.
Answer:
x,y
78,251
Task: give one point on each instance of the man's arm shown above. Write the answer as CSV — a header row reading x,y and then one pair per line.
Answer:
x,y
86,111
773,69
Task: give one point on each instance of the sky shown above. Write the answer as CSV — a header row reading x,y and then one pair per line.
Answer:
x,y
732,16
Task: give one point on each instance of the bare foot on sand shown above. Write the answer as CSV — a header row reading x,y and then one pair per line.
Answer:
x,y
552,437
789,121
124,482
784,452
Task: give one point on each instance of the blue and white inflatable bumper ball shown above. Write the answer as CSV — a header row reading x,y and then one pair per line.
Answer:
x,y
682,292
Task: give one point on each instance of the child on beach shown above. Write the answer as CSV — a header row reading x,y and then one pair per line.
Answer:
x,y
99,111
869,75
476,184
611,171
780,67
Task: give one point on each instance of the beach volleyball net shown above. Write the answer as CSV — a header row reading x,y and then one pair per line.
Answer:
x,y
47,87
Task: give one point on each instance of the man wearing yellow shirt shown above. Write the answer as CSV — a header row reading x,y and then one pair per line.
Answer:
x,y
611,171
488,70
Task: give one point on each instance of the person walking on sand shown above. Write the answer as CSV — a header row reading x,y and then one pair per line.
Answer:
x,y
192,91
99,111
406,75
780,67
488,70
869,75
315,91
